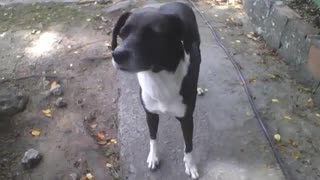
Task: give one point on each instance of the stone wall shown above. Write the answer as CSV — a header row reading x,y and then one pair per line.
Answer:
x,y
293,38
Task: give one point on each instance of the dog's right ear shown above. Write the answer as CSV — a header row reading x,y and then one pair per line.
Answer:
x,y
117,27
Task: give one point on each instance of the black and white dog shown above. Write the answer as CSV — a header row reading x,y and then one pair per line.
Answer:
x,y
161,46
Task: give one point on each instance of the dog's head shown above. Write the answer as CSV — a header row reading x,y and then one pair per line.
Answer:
x,y
150,41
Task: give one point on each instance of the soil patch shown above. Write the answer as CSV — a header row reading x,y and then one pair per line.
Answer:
x,y
45,45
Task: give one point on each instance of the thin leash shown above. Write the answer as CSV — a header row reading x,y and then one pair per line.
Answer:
x,y
249,94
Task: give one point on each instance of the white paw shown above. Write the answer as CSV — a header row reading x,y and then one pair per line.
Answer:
x,y
153,160
191,168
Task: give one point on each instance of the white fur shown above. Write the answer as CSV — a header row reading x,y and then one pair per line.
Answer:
x,y
191,168
153,160
161,90
114,64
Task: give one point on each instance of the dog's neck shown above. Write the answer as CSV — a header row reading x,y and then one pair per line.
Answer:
x,y
164,84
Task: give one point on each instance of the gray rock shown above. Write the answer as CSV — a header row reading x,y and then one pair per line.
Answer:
x,y
60,103
11,104
74,176
56,91
31,159
276,23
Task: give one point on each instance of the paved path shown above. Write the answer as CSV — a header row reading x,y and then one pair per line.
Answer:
x,y
228,143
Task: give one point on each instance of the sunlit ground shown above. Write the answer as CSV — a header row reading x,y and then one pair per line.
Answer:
x,y
45,45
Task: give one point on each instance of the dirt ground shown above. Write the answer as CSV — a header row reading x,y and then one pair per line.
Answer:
x,y
68,44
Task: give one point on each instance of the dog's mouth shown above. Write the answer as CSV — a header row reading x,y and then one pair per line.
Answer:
x,y
129,69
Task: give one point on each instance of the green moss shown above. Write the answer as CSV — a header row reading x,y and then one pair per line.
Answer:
x,y
317,2
36,15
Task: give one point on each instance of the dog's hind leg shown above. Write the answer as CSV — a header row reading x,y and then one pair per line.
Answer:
x,y
187,130
153,121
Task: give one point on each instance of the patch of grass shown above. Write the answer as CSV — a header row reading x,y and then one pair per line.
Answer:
x,y
35,16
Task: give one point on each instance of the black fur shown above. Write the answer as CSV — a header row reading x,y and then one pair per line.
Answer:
x,y
156,39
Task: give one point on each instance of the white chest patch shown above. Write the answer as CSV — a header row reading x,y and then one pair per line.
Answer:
x,y
161,91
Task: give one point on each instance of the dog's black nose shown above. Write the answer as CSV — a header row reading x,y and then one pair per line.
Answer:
x,y
120,55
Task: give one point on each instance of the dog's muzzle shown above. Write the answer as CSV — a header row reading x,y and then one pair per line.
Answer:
x,y
121,56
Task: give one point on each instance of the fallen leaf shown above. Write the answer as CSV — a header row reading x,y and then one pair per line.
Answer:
x,y
238,41
295,155
317,114
102,142
93,126
275,100
114,141
53,85
108,165
252,79
310,103
287,117
277,137
293,143
47,112
35,132
101,135
272,76
89,176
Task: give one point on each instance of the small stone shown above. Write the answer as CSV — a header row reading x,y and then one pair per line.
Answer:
x,y
31,158
60,103
56,91
74,176
11,104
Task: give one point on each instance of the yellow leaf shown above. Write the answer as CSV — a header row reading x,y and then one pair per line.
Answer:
x,y
114,141
109,165
89,176
35,132
295,155
287,117
275,100
47,112
277,137
252,79
102,142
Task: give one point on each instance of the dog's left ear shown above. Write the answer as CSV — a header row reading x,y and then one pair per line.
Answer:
x,y
117,27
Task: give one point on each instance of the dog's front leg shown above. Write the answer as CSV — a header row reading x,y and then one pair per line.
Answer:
x,y
187,130
153,121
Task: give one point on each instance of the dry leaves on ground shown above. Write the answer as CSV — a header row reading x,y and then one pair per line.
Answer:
x,y
35,132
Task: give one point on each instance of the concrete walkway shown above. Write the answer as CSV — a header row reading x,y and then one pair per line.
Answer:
x,y
228,144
